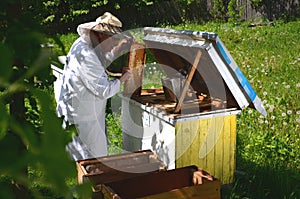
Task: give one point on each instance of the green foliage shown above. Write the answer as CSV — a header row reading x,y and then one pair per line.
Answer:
x,y
218,10
61,16
5,65
64,15
234,11
229,10
184,5
31,136
63,43
114,130
257,3
99,3
152,75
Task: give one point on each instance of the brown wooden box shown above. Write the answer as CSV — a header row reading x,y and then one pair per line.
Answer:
x,y
176,183
117,167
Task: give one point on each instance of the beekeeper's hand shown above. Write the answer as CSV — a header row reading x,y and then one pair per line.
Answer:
x,y
126,74
199,175
123,46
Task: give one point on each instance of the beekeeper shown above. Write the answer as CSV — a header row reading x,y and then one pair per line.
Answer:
x,y
85,85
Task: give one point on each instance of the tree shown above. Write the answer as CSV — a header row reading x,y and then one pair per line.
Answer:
x,y
31,137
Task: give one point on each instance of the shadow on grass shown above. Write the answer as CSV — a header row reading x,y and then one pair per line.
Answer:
x,y
261,182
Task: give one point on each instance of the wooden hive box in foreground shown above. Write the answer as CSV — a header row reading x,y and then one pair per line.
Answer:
x,y
175,184
113,168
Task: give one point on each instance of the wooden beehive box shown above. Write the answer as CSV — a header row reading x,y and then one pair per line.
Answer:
x,y
177,183
117,167
199,127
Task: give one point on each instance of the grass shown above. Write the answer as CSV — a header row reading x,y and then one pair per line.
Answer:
x,y
268,148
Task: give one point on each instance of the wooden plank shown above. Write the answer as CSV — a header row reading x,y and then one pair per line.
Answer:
x,y
186,133
196,132
109,193
187,130
203,133
179,144
136,61
152,185
219,147
232,160
120,158
229,149
116,167
226,151
210,190
195,144
210,149
80,173
113,175
188,81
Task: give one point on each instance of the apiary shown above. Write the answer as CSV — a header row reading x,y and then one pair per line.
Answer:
x,y
191,120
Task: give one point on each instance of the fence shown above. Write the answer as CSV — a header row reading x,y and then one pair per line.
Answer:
x,y
270,9
172,11
175,12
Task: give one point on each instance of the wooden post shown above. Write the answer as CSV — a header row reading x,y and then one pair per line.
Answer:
x,y
188,81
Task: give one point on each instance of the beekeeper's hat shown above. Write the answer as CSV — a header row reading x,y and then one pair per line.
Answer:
x,y
107,23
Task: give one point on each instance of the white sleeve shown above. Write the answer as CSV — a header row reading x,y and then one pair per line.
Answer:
x,y
92,74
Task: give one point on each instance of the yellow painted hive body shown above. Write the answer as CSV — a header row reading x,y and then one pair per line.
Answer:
x,y
209,143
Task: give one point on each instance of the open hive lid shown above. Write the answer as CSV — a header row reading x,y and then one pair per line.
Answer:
x,y
217,74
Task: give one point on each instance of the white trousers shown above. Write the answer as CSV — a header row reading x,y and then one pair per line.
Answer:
x,y
90,143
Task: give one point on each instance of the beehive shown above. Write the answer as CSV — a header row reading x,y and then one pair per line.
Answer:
x,y
175,184
199,128
113,168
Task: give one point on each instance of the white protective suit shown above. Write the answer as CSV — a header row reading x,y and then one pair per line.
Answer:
x,y
83,96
